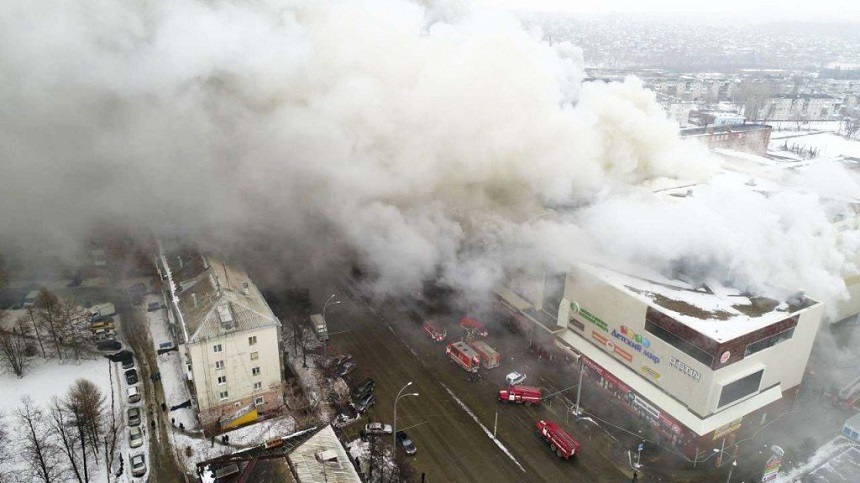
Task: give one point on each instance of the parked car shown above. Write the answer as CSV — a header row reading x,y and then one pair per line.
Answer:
x,y
131,376
133,416
128,361
165,347
138,465
377,428
101,319
434,332
364,403
339,360
137,289
135,437
406,443
363,389
345,369
515,378
153,306
474,326
133,394
109,345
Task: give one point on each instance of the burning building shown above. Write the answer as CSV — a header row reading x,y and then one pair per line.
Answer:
x,y
697,362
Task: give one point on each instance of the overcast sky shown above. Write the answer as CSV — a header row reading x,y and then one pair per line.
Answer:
x,y
841,10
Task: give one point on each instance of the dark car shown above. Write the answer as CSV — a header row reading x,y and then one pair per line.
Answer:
x,y
344,369
406,443
364,403
137,289
153,306
104,319
128,362
134,416
131,376
339,360
363,389
109,346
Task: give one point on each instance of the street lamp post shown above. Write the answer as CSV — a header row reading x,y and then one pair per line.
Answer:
x,y
734,464
579,388
394,424
325,339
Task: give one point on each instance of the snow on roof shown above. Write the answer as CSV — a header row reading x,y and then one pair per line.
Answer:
x,y
323,458
718,312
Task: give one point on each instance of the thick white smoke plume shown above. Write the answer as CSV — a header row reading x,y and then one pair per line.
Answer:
x,y
425,139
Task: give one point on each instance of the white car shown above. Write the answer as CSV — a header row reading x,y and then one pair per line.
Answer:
x,y
138,465
378,428
515,378
135,437
133,394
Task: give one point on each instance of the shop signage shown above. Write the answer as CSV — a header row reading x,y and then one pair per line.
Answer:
x,y
675,427
727,428
689,371
635,341
576,309
771,468
606,375
645,407
651,373
611,347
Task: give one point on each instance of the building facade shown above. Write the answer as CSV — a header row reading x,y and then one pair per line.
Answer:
x,y
697,365
229,338
801,107
750,138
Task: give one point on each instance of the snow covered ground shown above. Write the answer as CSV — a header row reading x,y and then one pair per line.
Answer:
x,y
46,379
170,366
826,144
826,459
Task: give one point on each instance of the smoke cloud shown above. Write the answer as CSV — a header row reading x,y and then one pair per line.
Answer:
x,y
424,139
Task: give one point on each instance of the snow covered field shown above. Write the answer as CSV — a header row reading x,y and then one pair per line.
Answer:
x,y
52,378
826,144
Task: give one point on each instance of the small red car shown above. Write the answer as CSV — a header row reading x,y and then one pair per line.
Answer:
x,y
473,325
434,332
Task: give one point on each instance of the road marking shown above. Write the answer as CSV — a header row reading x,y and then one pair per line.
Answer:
x,y
486,430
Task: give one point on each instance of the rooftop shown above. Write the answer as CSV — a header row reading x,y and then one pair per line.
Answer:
x,y
213,297
722,129
323,458
715,311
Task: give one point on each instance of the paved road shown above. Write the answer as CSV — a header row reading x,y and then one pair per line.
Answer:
x,y
451,445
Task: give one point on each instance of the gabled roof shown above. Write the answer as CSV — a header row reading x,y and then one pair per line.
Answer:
x,y
213,297
323,458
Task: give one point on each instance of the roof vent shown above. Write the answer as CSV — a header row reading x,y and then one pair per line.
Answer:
x,y
226,317
328,455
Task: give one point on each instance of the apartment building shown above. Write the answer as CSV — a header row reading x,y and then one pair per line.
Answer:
x,y
228,335
801,107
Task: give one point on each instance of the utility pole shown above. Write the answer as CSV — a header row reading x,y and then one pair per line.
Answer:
x,y
579,387
495,424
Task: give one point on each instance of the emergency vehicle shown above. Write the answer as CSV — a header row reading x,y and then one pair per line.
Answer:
x,y
520,394
489,357
433,331
464,356
559,441
474,326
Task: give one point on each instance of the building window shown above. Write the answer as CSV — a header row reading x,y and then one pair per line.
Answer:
x,y
222,379
741,388
255,371
222,395
258,386
679,343
255,356
258,401
252,340
768,342
216,348
219,365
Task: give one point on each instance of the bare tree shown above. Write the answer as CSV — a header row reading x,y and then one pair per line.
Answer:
x,y
86,401
61,425
37,449
7,474
13,350
30,322
73,325
48,306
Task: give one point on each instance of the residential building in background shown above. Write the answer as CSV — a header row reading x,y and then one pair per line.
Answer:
x,y
801,107
228,335
750,138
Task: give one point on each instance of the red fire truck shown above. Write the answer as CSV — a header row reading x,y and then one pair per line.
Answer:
x,y
489,357
559,441
464,356
473,325
520,394
433,331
